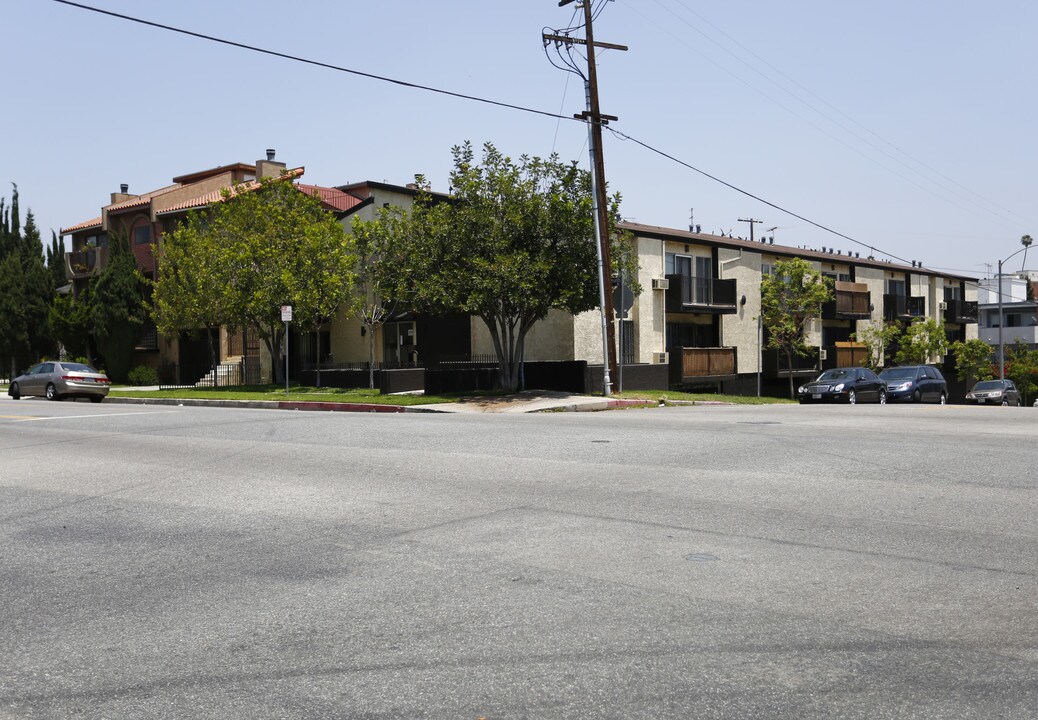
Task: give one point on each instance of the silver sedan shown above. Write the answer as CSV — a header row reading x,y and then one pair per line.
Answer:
x,y
56,380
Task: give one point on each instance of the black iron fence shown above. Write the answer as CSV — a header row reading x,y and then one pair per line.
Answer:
x,y
233,374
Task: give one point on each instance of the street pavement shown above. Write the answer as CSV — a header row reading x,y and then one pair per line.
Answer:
x,y
693,562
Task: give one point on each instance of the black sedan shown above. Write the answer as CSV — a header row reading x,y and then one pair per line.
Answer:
x,y
849,385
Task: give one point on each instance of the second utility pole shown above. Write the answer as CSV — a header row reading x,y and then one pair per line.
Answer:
x,y
595,120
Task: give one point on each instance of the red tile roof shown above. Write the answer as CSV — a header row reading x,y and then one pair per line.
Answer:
x,y
85,225
140,199
217,195
331,197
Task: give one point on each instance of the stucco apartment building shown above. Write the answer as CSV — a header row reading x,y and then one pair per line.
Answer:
x,y
700,302
144,219
695,321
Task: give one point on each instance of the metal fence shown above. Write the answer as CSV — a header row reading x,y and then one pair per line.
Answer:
x,y
234,374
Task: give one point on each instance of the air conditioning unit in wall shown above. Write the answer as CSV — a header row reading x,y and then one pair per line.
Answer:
x,y
823,354
660,358
660,284
942,306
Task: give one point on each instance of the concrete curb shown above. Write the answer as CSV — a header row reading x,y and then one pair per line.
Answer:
x,y
534,406
273,405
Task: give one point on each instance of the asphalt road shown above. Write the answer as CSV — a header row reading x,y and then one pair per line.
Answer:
x,y
704,562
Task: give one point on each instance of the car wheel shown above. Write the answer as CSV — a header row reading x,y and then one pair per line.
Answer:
x,y
1005,402
14,391
52,392
1019,402
917,396
96,398
882,397
852,398
944,398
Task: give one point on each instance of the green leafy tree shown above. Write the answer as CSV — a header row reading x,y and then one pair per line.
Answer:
x,y
117,309
374,308
921,341
25,290
878,338
1022,368
69,319
56,260
972,360
14,339
790,298
515,241
238,261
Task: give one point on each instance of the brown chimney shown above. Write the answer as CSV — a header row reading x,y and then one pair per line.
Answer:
x,y
269,167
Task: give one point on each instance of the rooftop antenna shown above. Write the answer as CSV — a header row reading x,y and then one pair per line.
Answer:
x,y
691,219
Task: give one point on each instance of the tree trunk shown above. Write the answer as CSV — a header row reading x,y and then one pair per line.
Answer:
x,y
318,367
789,364
371,357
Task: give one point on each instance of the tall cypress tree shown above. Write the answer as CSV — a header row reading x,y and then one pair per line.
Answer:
x,y
117,309
37,292
56,260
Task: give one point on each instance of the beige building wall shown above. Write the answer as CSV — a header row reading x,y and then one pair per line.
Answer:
x,y
740,330
875,278
649,311
548,340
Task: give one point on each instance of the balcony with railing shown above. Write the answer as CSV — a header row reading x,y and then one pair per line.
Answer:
x,y
776,364
845,354
852,301
85,263
903,307
960,311
701,295
690,364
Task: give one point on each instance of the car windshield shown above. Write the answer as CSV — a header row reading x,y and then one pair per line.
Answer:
x,y
78,367
989,385
898,373
834,375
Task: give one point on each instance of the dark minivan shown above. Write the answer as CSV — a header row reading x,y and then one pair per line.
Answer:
x,y
915,383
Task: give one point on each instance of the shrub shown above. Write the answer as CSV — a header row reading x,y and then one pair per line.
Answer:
x,y
143,375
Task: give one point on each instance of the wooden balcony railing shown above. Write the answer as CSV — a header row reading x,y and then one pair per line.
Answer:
x,y
704,362
853,301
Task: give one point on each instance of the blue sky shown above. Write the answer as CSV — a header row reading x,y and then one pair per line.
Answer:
x,y
909,127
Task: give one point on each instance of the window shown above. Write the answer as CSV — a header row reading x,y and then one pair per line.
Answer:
x,y
952,292
896,287
142,235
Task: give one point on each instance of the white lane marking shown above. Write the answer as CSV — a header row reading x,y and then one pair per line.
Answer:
x,y
76,417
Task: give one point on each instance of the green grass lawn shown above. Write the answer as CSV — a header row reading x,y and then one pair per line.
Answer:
x,y
364,395
296,394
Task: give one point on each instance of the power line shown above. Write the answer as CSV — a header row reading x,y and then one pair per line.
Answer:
x,y
840,112
474,98
317,63
961,197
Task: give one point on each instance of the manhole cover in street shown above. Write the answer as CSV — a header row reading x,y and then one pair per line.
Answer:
x,y
701,557
758,422
601,441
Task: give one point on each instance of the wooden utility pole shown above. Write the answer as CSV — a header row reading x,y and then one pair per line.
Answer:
x,y
752,222
595,120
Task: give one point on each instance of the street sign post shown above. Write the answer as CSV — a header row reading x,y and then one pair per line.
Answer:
x,y
286,317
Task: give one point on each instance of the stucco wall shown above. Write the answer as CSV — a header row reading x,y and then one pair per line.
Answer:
x,y
740,330
649,311
548,339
